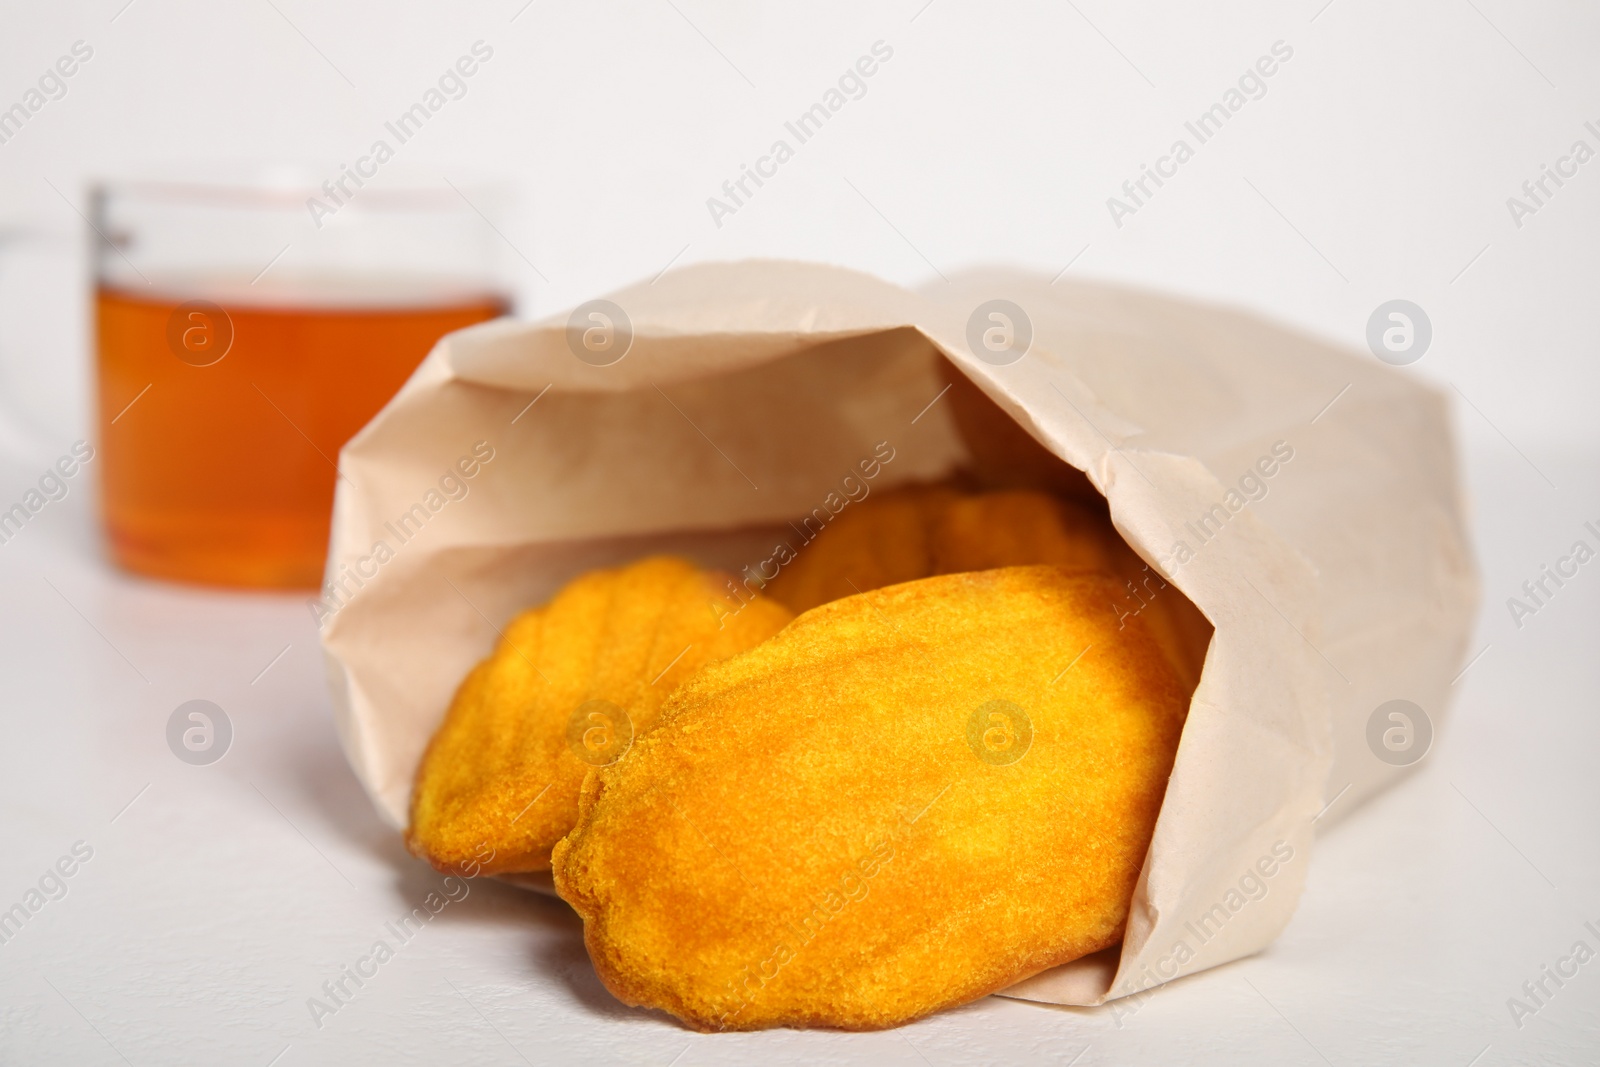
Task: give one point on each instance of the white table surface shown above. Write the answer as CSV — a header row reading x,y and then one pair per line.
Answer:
x,y
218,899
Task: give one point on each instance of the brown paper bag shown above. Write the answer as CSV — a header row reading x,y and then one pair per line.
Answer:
x,y
1305,499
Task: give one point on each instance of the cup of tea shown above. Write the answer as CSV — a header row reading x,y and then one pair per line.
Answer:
x,y
244,331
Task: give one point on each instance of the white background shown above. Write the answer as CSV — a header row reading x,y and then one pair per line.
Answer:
x,y
1377,166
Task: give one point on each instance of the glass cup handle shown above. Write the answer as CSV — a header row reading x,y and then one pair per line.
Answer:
x,y
43,371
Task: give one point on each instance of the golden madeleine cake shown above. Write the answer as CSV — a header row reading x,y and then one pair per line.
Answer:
x,y
905,800
922,530
883,540
570,686
1018,528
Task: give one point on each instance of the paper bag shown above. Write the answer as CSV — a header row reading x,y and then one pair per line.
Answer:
x,y
1305,499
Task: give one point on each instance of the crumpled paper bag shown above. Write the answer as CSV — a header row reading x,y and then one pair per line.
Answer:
x,y
1304,498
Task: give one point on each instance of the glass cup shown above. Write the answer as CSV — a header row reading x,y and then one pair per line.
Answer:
x,y
245,331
